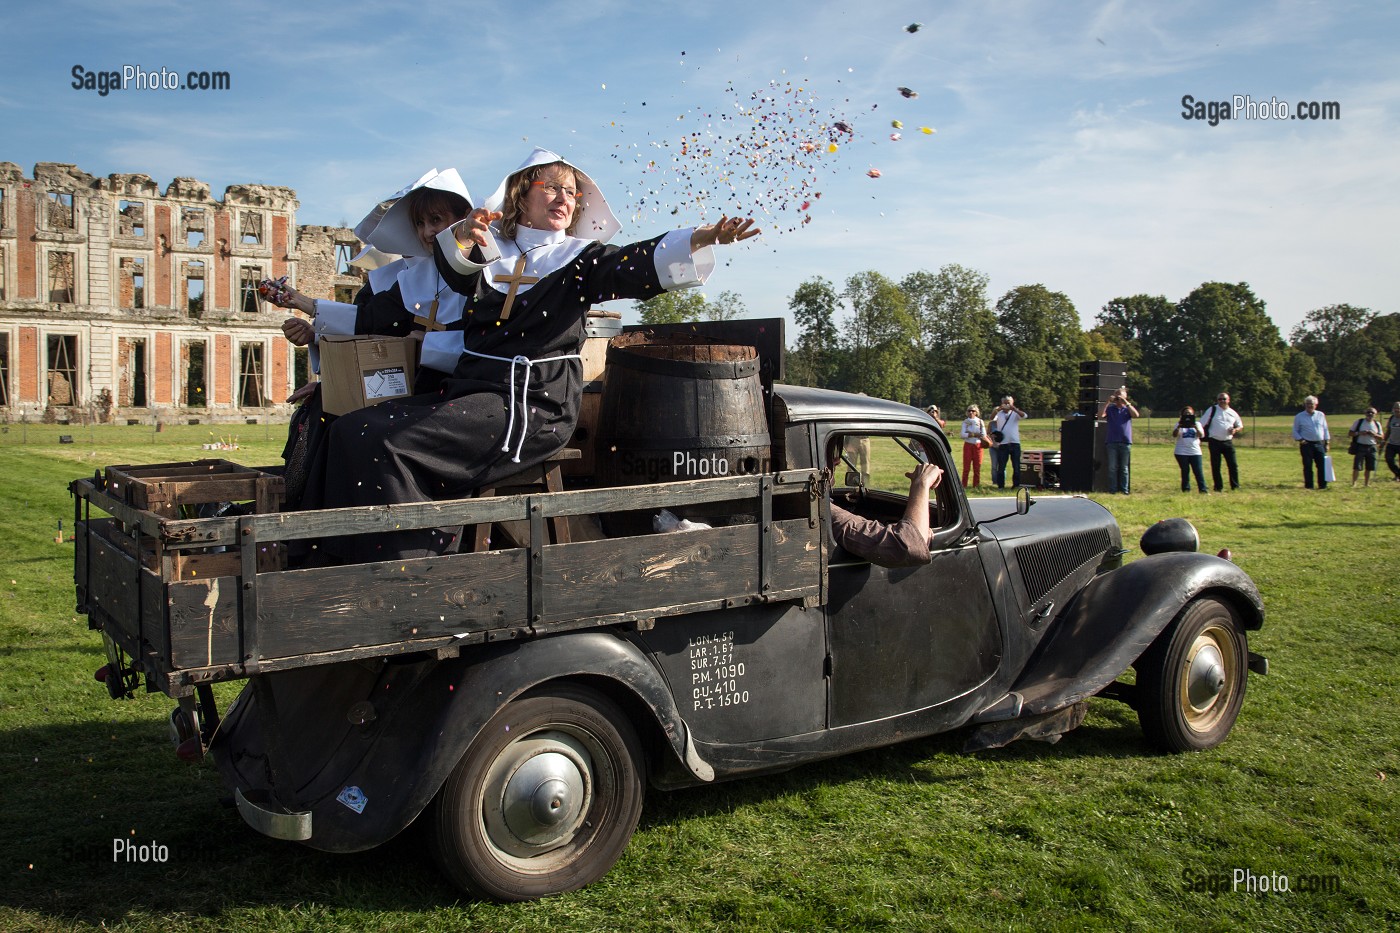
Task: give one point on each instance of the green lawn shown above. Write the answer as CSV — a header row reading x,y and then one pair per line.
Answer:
x,y
1096,832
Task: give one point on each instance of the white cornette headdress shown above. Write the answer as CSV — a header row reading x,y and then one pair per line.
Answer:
x,y
394,232
595,218
371,220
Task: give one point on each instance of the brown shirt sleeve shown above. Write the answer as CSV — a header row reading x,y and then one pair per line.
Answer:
x,y
889,544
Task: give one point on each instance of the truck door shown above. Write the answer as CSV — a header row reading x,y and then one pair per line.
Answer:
x,y
911,638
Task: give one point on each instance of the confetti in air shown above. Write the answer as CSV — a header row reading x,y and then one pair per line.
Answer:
x,y
763,153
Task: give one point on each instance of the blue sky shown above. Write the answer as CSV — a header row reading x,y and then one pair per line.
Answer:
x,y
1060,154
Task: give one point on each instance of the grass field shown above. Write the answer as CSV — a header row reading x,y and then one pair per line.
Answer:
x,y
1097,832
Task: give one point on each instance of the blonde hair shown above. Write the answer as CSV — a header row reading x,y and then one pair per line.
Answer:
x,y
518,188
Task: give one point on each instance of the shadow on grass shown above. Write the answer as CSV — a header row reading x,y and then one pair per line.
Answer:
x,y
90,795
79,794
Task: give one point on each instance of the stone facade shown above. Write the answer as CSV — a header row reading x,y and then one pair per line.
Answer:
x,y
120,302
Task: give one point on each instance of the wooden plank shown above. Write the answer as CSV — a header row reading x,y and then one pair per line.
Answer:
x,y
287,526
307,611
203,622
627,575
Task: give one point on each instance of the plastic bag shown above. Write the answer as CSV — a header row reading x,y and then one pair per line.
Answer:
x,y
665,521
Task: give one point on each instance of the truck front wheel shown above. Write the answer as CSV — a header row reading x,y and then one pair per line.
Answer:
x,y
545,799
1191,681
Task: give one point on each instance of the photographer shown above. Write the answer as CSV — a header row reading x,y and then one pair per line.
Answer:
x,y
1006,442
1118,440
1188,450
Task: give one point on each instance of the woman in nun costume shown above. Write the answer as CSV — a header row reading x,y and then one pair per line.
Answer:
x,y
529,266
401,296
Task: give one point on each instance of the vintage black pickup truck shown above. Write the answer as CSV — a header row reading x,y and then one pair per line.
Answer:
x,y
519,698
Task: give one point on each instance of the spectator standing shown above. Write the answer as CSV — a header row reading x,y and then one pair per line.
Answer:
x,y
1314,440
1367,434
974,435
1118,440
1221,423
936,415
1006,442
1188,449
1392,440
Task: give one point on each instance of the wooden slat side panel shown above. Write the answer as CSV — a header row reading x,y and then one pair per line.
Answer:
x,y
204,622
302,612
626,575
112,584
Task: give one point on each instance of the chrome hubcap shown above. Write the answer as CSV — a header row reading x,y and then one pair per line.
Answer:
x,y
538,792
1206,677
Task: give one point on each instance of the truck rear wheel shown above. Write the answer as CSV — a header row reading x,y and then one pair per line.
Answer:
x,y
1191,680
545,799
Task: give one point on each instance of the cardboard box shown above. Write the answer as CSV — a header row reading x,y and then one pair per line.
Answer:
x,y
360,371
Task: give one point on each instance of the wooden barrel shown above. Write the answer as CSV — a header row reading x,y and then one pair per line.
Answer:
x,y
680,407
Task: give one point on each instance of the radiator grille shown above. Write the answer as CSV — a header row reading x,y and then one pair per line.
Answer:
x,y
1045,563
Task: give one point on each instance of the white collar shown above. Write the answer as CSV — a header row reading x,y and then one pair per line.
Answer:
x,y
420,283
545,252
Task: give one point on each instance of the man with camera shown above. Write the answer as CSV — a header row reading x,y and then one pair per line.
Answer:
x,y
1118,439
1006,442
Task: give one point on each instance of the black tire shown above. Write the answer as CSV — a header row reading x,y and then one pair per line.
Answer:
x,y
545,800
1190,682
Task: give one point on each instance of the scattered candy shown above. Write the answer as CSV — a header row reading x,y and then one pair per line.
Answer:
x,y
874,173
908,93
897,124
913,27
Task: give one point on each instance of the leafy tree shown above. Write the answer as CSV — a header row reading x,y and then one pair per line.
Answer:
x,y
725,307
1221,338
1042,347
677,307
880,337
1384,332
958,331
1347,356
816,359
1138,325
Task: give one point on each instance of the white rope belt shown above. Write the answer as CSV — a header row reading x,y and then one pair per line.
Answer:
x,y
527,363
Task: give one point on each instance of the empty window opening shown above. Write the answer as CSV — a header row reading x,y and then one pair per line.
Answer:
x,y
131,218
4,370
250,228
345,294
301,366
344,252
60,210
250,376
133,282
63,369
192,356
194,288
61,289
131,385
192,220
3,205
2,275
248,298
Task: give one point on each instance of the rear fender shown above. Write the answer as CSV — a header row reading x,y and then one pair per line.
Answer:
x,y
1118,615
399,775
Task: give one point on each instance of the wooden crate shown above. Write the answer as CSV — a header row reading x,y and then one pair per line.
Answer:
x,y
162,488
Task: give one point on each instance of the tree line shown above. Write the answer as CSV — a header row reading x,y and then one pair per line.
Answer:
x,y
937,338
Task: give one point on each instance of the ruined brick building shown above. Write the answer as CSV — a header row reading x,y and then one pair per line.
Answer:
x,y
118,302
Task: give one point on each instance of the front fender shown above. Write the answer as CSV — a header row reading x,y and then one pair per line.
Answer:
x,y
398,776
1118,615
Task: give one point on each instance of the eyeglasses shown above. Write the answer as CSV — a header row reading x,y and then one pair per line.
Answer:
x,y
1222,398
552,189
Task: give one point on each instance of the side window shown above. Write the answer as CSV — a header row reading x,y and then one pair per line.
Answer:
x,y
879,465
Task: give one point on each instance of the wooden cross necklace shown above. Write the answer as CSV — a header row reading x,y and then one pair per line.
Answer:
x,y
431,322
517,278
